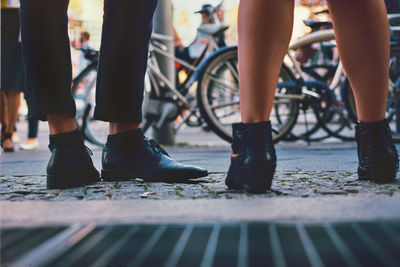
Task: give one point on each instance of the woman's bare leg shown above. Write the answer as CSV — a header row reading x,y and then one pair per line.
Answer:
x,y
14,99
13,102
265,29
362,35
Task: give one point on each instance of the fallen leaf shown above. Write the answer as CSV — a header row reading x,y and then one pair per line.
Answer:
x,y
95,186
146,194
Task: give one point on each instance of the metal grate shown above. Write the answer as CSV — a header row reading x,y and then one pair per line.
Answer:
x,y
241,244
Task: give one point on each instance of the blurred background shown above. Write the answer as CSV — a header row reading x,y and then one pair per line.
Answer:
x,y
86,16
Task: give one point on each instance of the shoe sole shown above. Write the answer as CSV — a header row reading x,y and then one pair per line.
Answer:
x,y
383,175
233,181
262,180
64,181
234,186
116,176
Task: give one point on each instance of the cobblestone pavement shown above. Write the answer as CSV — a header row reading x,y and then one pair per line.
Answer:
x,y
286,184
308,171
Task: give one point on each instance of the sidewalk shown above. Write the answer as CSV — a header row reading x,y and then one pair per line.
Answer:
x,y
313,182
317,213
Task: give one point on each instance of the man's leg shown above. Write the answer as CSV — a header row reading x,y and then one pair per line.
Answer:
x,y
47,56
264,33
128,154
45,45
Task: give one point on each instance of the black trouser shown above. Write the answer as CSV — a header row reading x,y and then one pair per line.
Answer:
x,y
127,28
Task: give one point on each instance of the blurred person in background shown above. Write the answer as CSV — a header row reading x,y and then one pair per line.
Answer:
x,y
3,112
84,44
12,69
32,141
209,15
362,35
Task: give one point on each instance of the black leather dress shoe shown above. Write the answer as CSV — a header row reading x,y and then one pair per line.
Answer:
x,y
378,158
70,166
147,160
253,159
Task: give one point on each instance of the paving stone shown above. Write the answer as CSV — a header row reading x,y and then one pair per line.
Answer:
x,y
286,184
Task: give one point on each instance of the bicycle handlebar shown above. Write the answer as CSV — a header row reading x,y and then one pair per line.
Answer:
x,y
325,11
90,53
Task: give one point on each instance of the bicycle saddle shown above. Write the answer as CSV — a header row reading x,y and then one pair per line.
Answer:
x,y
213,29
315,24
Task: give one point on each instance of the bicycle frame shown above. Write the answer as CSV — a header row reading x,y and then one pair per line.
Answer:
x,y
327,35
163,51
158,48
318,36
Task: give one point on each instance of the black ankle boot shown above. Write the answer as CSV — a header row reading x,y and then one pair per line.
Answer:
x,y
378,159
131,155
253,159
70,164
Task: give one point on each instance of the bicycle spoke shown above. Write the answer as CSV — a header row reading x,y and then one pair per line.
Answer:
x,y
222,82
233,70
226,104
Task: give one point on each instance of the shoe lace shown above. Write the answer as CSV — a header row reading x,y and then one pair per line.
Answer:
x,y
155,146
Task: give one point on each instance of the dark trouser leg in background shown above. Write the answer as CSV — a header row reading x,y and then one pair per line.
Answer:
x,y
33,128
45,45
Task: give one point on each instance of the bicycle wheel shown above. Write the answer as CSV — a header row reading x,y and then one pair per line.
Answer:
x,y
83,91
335,119
331,114
218,96
392,108
315,55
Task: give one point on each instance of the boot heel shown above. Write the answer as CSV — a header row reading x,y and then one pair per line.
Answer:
x,y
382,173
378,158
254,165
234,178
259,180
